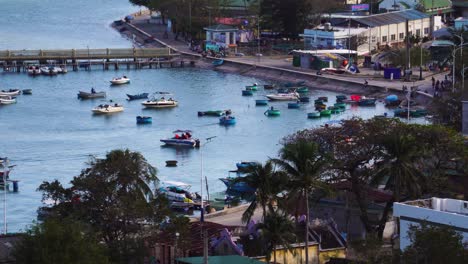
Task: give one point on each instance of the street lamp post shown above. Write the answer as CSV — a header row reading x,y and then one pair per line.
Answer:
x,y
202,209
463,76
453,63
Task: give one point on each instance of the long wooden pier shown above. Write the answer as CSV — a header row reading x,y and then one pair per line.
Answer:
x,y
18,60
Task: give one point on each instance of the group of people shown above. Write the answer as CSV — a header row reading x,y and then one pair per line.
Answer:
x,y
185,135
439,86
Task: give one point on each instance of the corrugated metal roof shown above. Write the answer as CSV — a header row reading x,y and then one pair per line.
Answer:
x,y
391,18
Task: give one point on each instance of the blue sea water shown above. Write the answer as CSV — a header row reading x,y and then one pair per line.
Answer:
x,y
51,134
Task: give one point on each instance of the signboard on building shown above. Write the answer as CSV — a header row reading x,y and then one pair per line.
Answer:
x,y
361,7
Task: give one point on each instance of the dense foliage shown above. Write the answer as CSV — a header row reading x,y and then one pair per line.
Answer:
x,y
114,197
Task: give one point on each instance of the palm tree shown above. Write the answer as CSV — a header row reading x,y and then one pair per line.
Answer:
x,y
267,184
277,230
399,170
303,162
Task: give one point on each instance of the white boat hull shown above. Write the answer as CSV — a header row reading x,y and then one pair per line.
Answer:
x,y
107,110
118,81
7,100
282,97
160,104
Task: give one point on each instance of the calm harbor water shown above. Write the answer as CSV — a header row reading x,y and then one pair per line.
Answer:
x,y
51,134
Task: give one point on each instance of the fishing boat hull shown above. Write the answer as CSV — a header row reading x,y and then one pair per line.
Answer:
x,y
137,96
247,92
227,120
26,91
274,112
11,92
181,142
283,97
323,98
313,115
367,102
325,113
211,113
217,62
293,105
302,89
251,87
261,102
107,110
160,104
244,165
119,81
5,100
86,95
240,187
144,119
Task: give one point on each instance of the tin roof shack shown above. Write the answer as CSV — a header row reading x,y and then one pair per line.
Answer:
x,y
451,213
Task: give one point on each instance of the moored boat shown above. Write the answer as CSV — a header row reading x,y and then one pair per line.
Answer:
x,y
160,103
302,89
283,96
234,184
26,91
253,87
7,100
367,102
49,71
320,106
293,105
315,114
179,195
245,165
272,112
247,92
217,62
120,80
323,98
340,98
227,120
11,92
340,105
325,112
304,99
108,109
91,95
214,113
144,119
137,96
261,102
268,86
34,70
184,140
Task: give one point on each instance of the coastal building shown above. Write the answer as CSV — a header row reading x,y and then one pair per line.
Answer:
x,y
430,7
461,23
365,33
220,36
434,211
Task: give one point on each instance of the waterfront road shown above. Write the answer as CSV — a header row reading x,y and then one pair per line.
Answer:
x,y
141,29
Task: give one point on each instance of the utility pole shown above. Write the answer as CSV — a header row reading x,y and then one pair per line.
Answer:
x,y
407,50
5,176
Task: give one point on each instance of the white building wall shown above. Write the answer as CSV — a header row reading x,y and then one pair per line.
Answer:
x,y
446,212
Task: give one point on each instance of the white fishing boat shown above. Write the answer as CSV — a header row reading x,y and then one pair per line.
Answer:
x,y
292,96
120,80
49,70
61,69
179,195
34,70
183,140
7,100
108,109
160,103
11,92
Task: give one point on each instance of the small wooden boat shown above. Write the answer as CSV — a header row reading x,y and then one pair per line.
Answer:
x,y
214,113
334,109
315,114
304,99
160,103
34,70
272,112
26,91
185,140
86,95
227,120
340,98
293,96
217,62
144,119
318,101
108,109
7,100
261,102
323,98
251,88
320,106
247,92
302,89
244,165
11,92
340,105
293,105
120,80
367,102
137,96
268,86
325,112
171,163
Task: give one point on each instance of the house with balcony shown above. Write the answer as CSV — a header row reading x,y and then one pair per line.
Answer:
x,y
451,213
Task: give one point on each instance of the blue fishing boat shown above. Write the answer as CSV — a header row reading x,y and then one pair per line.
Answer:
x,y
247,92
293,105
227,120
137,96
244,165
315,114
304,99
261,102
367,102
144,119
340,98
233,184
218,62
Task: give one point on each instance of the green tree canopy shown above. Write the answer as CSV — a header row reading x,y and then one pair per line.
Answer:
x,y
57,242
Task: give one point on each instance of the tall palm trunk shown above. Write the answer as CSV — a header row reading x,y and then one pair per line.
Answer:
x,y
307,228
